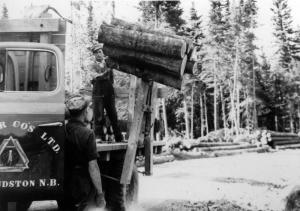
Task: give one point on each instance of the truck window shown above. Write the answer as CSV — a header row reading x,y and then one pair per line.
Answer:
x,y
28,70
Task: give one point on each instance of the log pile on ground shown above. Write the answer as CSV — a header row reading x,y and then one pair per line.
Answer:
x,y
146,53
280,139
208,150
214,145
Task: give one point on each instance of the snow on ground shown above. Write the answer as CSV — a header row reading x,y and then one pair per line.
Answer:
x,y
250,181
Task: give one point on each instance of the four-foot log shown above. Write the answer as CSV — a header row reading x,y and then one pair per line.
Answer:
x,y
142,41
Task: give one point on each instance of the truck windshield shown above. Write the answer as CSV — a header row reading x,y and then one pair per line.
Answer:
x,y
27,70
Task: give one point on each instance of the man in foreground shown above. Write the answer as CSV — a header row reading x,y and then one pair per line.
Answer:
x,y
83,183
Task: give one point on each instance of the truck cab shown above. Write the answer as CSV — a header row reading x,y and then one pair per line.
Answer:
x,y
31,122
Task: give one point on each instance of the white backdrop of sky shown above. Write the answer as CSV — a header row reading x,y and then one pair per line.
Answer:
x,y
127,10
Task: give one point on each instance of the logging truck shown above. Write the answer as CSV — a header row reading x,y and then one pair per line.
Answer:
x,y
32,110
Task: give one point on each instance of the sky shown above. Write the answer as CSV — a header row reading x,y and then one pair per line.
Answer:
x,y
126,9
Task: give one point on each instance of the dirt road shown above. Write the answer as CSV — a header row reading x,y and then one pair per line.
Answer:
x,y
243,182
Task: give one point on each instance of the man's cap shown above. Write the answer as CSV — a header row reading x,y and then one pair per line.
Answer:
x,y
77,103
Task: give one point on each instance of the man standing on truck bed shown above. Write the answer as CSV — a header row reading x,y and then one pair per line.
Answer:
x,y
104,98
82,180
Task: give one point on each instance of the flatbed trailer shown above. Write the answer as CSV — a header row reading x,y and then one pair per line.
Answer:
x,y
108,147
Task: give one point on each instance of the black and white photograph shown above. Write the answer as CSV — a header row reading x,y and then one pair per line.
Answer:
x,y
135,105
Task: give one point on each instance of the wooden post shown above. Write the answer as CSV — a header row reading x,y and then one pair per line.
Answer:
x,y
165,118
155,115
134,133
131,100
148,141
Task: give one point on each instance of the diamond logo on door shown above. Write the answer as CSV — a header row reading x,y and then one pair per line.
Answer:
x,y
12,156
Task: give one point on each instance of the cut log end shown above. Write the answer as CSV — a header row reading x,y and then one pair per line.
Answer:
x,y
183,65
190,67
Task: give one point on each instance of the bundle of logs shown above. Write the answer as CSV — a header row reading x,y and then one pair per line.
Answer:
x,y
279,138
147,53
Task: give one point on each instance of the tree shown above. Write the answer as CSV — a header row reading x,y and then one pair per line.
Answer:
x,y
215,45
288,48
164,12
4,12
248,61
173,12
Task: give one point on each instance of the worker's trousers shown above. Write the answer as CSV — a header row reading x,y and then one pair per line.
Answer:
x,y
104,98
114,191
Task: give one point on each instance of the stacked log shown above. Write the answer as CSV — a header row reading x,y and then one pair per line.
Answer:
x,y
275,139
146,53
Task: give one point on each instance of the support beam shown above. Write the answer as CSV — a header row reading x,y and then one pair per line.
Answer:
x,y
134,133
165,118
131,100
148,141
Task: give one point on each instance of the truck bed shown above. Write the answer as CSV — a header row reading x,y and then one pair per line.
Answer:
x,y
105,147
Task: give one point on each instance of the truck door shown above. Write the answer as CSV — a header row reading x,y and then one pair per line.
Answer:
x,y
31,122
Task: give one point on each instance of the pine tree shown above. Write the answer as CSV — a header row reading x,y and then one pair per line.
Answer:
x,y
285,35
215,49
196,31
4,12
163,12
288,55
173,12
248,60
216,22
91,31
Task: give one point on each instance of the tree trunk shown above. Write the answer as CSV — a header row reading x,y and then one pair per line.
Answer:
x,y
254,98
236,90
186,117
232,108
238,109
201,115
147,61
215,98
205,113
248,116
223,108
298,119
292,129
276,122
142,41
159,77
192,114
